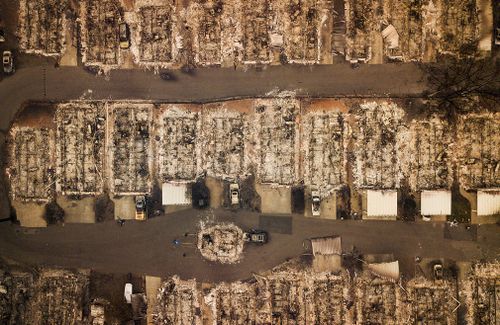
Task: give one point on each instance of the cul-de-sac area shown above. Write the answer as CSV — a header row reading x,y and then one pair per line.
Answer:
x,y
260,162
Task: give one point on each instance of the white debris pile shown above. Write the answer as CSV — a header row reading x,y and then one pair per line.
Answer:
x,y
31,166
431,301
131,148
380,142
479,150
80,148
179,136
481,293
42,26
100,21
177,303
277,135
223,143
324,145
431,160
377,300
221,243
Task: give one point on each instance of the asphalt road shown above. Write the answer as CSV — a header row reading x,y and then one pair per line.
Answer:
x,y
147,248
45,82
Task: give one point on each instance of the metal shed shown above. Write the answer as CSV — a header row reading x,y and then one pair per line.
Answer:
x,y
488,202
176,194
326,246
435,203
382,204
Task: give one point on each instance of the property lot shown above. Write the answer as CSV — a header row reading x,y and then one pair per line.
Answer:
x,y
156,33
277,137
376,300
302,28
361,24
80,148
479,150
31,164
177,303
131,149
376,145
177,152
223,143
49,296
483,294
432,301
255,24
100,42
458,25
42,26
207,16
324,146
238,303
424,28
328,299
431,161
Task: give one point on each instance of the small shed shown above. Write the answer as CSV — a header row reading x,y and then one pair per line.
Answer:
x,y
176,194
327,252
488,202
326,246
391,37
382,204
388,270
435,203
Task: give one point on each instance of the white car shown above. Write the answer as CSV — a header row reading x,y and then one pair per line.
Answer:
x,y
234,190
316,203
128,293
8,62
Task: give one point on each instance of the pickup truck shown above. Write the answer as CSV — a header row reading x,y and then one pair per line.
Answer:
x,y
255,236
234,190
140,207
316,203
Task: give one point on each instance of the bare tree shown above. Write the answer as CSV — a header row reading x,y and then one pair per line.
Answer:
x,y
456,84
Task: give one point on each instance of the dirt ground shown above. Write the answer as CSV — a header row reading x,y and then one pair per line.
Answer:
x,y
77,211
124,207
275,199
30,214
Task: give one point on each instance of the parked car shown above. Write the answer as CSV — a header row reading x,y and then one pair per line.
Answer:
x,y
316,203
124,33
127,293
2,35
497,36
8,62
438,271
234,190
255,236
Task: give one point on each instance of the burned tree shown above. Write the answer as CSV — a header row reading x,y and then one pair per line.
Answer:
x,y
455,84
